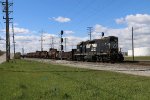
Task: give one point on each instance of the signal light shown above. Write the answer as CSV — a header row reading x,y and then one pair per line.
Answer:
x,y
102,34
61,40
62,47
62,32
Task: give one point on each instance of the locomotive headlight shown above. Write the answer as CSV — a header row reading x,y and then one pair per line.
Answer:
x,y
109,45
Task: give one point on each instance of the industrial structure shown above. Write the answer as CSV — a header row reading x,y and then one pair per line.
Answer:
x,y
142,51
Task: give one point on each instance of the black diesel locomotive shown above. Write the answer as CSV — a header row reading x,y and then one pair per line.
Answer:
x,y
104,49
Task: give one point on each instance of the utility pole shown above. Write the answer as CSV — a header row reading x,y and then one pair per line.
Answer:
x,y
7,5
23,50
132,45
90,31
13,38
52,42
42,40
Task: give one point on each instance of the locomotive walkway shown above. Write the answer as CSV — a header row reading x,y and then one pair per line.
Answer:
x,y
128,68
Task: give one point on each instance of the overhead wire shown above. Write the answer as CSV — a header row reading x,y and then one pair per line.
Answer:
x,y
82,20
1,14
82,10
94,13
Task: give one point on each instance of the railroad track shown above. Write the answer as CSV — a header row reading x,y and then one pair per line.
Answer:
x,y
126,67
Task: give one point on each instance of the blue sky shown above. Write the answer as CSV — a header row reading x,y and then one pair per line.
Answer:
x,y
35,15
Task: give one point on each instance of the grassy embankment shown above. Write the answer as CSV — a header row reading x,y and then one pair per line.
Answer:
x,y
27,80
138,58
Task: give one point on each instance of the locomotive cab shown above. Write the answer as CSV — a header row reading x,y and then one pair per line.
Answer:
x,y
113,44
115,55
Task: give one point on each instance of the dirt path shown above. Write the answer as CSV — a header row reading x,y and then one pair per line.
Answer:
x,y
135,69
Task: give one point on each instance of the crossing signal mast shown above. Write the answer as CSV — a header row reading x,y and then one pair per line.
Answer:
x,y
6,6
66,44
61,42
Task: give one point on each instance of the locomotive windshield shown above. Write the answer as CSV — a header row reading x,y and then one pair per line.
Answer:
x,y
114,43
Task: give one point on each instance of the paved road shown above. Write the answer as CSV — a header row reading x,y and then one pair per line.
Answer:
x,y
3,58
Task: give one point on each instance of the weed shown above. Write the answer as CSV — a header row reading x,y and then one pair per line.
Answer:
x,y
39,81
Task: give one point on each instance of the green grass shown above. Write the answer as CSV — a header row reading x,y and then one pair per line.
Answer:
x,y
138,58
28,80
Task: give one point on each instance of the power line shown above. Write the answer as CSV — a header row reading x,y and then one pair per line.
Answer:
x,y
42,40
88,5
93,12
2,25
52,42
90,29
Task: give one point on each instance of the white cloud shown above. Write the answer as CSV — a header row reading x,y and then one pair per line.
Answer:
x,y
18,30
99,28
68,32
31,43
136,20
61,19
16,24
27,38
120,21
141,24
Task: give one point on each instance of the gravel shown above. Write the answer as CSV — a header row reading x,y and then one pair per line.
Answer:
x,y
128,68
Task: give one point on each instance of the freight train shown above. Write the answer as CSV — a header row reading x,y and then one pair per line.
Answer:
x,y
105,50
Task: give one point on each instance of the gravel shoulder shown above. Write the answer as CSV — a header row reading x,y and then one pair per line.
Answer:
x,y
128,68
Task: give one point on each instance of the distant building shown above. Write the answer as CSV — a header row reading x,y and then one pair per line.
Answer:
x,y
143,51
